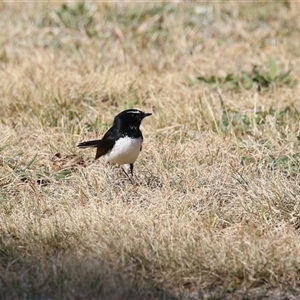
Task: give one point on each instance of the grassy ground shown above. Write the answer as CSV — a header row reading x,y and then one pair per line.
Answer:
x,y
214,212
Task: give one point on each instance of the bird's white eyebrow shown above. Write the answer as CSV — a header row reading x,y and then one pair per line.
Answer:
x,y
133,112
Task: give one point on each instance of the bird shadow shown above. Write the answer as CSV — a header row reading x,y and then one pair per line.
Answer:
x,y
118,176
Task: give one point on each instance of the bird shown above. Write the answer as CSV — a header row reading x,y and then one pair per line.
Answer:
x,y
122,143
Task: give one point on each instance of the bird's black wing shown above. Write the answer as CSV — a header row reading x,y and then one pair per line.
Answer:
x,y
106,144
103,145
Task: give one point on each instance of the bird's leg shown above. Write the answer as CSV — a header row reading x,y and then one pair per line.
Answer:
x,y
131,169
130,178
125,172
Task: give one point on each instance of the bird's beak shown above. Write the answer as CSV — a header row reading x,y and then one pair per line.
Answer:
x,y
147,115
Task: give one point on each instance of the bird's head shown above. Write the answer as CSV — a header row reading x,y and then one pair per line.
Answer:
x,y
130,117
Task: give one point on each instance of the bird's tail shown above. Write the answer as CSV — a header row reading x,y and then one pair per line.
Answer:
x,y
93,143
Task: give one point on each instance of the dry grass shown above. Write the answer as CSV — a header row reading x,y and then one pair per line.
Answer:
x,y
215,209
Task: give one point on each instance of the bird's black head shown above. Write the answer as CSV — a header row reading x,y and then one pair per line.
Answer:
x,y
130,117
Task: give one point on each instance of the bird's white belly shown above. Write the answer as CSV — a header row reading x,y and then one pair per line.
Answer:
x,y
125,151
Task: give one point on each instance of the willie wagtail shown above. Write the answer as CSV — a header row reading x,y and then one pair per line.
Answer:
x,y
122,143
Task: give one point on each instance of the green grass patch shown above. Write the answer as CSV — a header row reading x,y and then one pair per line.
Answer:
x,y
257,78
77,17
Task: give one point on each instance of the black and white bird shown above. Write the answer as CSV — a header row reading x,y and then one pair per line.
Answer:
x,y
122,143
